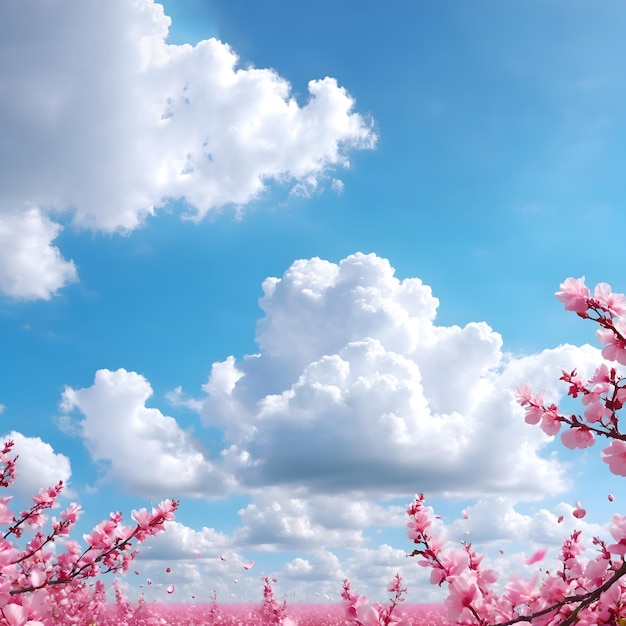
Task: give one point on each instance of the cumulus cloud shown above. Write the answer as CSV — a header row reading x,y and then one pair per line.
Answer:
x,y
357,389
103,118
38,466
141,450
183,542
278,519
30,266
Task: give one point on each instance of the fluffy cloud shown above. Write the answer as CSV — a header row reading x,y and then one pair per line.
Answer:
x,y
142,450
38,466
356,389
30,266
103,118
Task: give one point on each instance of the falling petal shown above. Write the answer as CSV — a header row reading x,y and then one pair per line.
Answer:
x,y
248,565
611,498
170,589
560,519
465,514
168,570
223,558
579,512
535,558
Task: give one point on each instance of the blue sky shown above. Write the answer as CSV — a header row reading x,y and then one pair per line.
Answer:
x,y
153,184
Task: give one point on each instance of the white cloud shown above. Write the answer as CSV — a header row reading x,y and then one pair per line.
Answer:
x,y
38,466
142,450
356,389
30,266
282,519
183,542
103,118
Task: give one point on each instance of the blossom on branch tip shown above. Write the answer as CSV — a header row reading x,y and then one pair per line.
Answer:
x,y
574,294
613,303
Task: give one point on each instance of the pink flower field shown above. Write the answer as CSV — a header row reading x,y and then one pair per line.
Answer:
x,y
254,615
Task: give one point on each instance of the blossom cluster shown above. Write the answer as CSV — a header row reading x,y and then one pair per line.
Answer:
x,y
39,583
581,590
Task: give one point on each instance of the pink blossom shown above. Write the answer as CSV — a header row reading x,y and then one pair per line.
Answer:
x,y
580,437
574,294
596,412
6,515
618,530
451,564
614,347
463,593
141,517
614,303
550,421
519,591
367,615
72,513
615,456
601,375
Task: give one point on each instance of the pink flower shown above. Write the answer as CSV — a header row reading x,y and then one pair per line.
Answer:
x,y
596,412
615,456
463,593
614,303
367,615
524,394
574,294
614,347
580,437
519,591
72,513
601,375
142,517
550,421
618,530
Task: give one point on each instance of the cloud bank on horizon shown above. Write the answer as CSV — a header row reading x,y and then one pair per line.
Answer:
x,y
104,122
